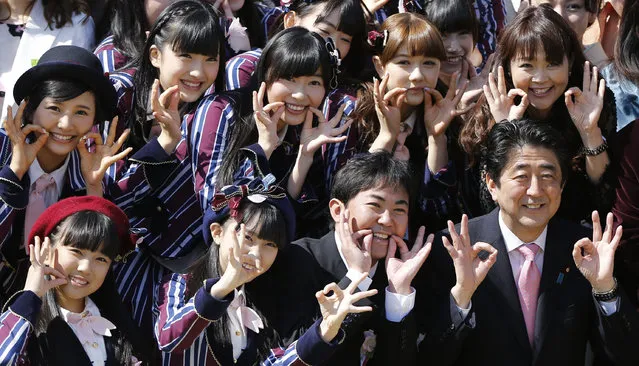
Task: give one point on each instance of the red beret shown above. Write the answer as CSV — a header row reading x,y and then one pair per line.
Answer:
x,y
52,216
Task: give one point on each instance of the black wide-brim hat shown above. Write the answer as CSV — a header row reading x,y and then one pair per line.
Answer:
x,y
70,63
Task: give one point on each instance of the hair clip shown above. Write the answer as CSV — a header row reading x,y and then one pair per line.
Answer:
x,y
408,6
255,190
333,52
336,61
377,40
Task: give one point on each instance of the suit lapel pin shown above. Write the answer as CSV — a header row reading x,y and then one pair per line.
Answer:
x,y
560,277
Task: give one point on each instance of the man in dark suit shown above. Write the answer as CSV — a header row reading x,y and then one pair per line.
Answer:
x,y
369,206
551,289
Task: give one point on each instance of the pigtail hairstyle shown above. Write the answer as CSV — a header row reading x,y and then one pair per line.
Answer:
x,y
187,26
403,29
292,53
532,29
266,221
627,46
94,231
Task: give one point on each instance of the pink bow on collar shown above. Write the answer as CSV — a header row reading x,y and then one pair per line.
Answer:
x,y
90,326
249,317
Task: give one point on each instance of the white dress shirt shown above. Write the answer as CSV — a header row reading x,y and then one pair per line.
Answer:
x,y
59,175
236,327
513,242
517,259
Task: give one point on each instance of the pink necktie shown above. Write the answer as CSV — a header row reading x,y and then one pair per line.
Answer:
x,y
249,317
528,285
37,204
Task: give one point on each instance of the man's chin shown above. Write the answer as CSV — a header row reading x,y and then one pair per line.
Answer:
x,y
379,249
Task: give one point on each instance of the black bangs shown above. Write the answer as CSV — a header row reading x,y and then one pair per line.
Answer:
x,y
351,17
88,230
196,33
60,91
295,52
265,221
537,27
452,16
529,43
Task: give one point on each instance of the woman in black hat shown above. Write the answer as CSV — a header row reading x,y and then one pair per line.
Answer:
x,y
48,148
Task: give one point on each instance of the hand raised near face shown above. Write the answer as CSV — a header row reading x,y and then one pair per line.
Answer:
x,y
440,111
357,256
326,132
22,153
266,122
388,107
470,269
401,271
94,164
501,100
585,105
476,81
41,278
165,111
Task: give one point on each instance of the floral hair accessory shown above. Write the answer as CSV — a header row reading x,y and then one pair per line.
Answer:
x,y
377,40
257,190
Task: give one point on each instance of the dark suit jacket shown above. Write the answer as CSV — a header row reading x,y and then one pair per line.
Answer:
x,y
305,267
567,314
60,346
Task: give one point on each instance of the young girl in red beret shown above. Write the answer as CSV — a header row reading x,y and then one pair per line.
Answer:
x,y
69,312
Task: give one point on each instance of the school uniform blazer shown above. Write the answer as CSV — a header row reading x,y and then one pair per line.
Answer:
x,y
14,197
183,336
567,314
239,69
111,58
37,39
305,267
58,346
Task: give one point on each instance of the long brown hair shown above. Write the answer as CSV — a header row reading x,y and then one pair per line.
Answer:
x,y
532,29
57,13
420,36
